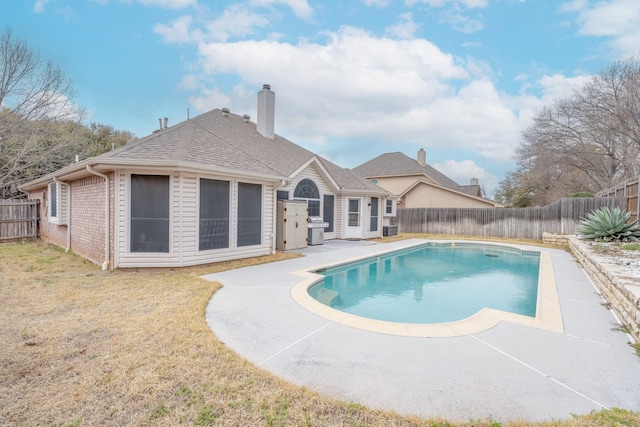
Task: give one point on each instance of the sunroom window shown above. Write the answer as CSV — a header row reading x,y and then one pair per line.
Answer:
x,y
214,214
249,214
149,213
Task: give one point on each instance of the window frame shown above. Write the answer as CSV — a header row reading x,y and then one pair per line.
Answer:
x,y
229,228
130,234
238,218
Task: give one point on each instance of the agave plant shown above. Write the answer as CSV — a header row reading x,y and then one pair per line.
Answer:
x,y
609,225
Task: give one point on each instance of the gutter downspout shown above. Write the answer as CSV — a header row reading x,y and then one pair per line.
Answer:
x,y
68,212
105,264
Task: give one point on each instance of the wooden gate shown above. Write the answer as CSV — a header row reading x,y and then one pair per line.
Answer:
x,y
18,219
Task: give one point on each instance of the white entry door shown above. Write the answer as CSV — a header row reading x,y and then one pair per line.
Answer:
x,y
354,218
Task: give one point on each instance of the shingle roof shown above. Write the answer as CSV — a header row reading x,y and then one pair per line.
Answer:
x,y
394,164
228,141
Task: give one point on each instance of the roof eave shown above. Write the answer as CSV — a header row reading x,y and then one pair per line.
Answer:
x,y
79,170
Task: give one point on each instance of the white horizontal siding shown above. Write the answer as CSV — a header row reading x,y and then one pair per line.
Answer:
x,y
184,226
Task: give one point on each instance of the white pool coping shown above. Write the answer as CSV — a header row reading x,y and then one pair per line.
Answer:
x,y
548,313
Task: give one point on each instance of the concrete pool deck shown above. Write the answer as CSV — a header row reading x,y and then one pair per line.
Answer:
x,y
509,372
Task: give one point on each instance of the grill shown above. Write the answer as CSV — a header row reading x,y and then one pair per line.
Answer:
x,y
316,230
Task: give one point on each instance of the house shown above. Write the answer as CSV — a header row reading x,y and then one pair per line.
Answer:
x,y
418,185
200,191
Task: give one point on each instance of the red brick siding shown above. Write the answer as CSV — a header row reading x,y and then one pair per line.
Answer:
x,y
87,218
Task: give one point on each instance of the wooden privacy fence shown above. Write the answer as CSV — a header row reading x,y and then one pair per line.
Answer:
x,y
18,219
628,191
561,217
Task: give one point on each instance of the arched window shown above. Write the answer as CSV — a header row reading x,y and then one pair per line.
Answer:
x,y
308,190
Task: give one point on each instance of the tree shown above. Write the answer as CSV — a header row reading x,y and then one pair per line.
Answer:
x,y
513,191
586,142
35,99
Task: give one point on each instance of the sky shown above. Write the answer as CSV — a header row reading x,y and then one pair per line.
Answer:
x,y
353,79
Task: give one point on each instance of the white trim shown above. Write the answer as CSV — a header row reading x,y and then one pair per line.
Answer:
x,y
323,171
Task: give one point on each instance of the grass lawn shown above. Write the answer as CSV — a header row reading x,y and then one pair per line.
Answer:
x,y
80,346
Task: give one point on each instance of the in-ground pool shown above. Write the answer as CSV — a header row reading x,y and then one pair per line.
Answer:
x,y
433,283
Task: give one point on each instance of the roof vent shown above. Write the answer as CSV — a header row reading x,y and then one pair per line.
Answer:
x,y
246,118
225,112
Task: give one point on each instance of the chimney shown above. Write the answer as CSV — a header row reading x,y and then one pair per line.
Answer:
x,y
166,121
160,121
266,112
422,157
474,181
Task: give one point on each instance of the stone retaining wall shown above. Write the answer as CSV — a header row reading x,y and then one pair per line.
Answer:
x,y
620,290
555,239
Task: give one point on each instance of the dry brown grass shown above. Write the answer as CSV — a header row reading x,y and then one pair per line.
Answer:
x,y
81,346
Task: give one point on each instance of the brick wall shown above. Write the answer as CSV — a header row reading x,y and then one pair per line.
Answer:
x,y
87,218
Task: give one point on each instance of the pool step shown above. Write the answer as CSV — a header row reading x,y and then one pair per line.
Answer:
x,y
327,296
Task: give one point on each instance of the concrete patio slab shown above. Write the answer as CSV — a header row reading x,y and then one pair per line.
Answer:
x,y
510,371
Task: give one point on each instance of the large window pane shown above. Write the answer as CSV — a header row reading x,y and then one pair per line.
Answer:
x,y
328,212
374,214
214,214
249,214
149,213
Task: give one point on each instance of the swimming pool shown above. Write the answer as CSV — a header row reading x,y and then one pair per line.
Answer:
x,y
548,315
433,283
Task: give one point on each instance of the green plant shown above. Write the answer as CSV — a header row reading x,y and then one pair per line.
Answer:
x,y
631,247
582,194
206,417
609,225
158,411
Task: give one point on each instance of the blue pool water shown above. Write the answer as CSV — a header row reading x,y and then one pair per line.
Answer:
x,y
433,283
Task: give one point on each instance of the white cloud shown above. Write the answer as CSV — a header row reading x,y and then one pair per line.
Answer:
x,y
461,22
39,6
380,4
236,21
471,4
348,88
169,4
463,171
617,19
405,28
300,8
177,32
558,86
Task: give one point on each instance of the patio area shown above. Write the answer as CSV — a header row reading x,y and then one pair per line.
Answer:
x,y
508,372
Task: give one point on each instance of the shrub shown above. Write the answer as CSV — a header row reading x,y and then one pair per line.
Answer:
x,y
582,194
609,225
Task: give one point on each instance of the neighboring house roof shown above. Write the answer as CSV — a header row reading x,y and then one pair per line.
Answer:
x,y
399,164
396,164
218,140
